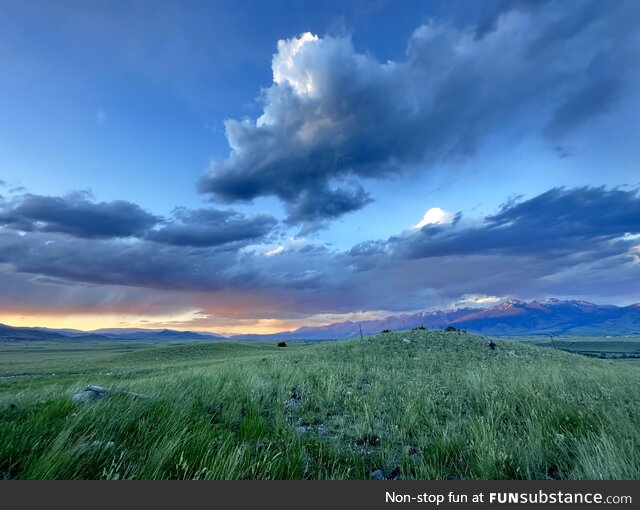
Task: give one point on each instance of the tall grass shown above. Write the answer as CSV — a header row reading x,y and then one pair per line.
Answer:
x,y
429,405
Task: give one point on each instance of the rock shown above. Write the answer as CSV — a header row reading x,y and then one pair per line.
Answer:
x,y
97,389
303,429
377,475
406,340
84,396
94,392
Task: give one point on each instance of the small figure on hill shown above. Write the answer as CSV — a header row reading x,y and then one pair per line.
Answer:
x,y
450,328
492,345
282,344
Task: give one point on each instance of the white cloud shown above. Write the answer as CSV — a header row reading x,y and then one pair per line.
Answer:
x,y
434,216
275,251
284,66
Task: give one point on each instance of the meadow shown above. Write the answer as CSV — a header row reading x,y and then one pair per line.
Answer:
x,y
415,404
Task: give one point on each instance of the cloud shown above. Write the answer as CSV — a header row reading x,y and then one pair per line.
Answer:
x,y
120,262
76,215
334,117
275,251
79,216
557,223
582,239
212,227
435,216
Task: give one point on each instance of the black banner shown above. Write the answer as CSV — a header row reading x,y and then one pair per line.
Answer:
x,y
300,495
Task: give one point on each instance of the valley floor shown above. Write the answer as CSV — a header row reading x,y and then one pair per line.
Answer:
x,y
417,404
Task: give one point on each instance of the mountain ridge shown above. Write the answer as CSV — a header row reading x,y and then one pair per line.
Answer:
x,y
509,318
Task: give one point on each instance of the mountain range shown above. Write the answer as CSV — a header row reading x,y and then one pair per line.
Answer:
x,y
510,318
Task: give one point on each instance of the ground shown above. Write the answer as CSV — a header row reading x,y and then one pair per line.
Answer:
x,y
418,404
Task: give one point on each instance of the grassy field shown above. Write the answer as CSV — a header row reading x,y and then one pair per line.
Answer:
x,y
414,404
621,347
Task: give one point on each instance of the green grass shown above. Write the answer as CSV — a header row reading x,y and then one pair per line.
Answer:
x,y
441,405
620,347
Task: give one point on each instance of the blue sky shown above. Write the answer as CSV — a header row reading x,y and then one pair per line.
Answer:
x,y
252,166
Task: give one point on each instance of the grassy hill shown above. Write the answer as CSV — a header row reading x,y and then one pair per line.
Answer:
x,y
418,404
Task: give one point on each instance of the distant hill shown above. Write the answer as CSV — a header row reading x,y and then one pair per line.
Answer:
x,y
511,318
168,334
8,333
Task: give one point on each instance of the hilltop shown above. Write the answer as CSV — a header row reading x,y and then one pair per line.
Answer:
x,y
417,404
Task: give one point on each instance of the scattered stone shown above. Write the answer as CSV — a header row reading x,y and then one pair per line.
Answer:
x,y
406,340
84,396
377,475
513,353
93,392
303,429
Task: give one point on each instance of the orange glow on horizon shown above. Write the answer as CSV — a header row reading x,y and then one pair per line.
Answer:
x,y
191,321
92,322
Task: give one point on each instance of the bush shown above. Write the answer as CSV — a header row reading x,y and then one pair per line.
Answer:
x,y
282,344
450,328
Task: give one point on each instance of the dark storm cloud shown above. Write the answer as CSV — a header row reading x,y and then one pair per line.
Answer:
x,y
79,216
557,223
212,227
76,215
314,206
583,239
132,263
334,116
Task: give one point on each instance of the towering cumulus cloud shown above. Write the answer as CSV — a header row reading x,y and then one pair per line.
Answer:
x,y
334,117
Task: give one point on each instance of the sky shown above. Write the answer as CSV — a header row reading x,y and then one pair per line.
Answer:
x,y
252,167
